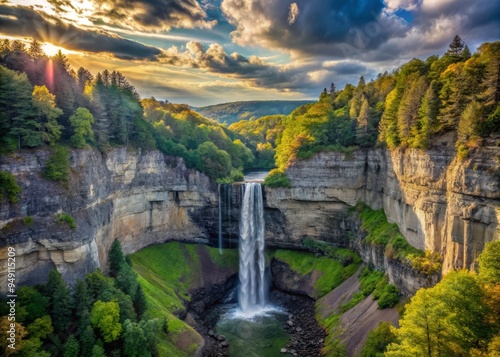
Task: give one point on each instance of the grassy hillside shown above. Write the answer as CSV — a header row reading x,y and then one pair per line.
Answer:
x,y
232,112
166,272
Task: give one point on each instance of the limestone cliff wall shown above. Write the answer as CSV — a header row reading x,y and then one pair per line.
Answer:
x,y
439,202
138,198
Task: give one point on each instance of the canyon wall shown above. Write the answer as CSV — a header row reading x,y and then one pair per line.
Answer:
x,y
138,198
440,202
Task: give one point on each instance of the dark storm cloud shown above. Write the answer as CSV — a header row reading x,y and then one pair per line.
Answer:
x,y
317,25
26,22
153,15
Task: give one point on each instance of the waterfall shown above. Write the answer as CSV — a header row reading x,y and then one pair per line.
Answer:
x,y
251,292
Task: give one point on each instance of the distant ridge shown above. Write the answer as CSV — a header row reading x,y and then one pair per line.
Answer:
x,y
235,111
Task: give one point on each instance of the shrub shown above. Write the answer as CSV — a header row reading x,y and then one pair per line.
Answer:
x,y
57,167
389,297
66,218
28,221
9,187
277,178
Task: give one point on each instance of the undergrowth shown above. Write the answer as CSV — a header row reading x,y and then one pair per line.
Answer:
x,y
382,233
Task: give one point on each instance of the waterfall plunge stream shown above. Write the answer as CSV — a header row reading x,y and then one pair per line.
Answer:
x,y
251,293
253,328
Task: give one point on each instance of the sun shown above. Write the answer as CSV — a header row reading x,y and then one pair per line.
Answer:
x,y
51,50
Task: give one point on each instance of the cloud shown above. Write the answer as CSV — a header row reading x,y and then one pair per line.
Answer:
x,y
294,13
152,15
255,71
320,25
26,22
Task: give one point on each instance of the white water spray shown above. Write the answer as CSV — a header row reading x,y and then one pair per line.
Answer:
x,y
251,292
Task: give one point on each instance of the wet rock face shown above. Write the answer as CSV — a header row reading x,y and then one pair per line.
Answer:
x,y
139,198
439,202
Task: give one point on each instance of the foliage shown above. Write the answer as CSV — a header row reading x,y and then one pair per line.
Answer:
x,y
332,271
82,122
28,221
166,272
378,340
277,178
449,319
66,218
381,232
105,316
57,166
71,347
103,110
9,187
489,264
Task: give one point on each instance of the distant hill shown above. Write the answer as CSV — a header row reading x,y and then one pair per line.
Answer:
x,y
235,111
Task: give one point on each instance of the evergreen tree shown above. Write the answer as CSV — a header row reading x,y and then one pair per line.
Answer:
x,y
87,341
98,351
116,260
134,340
333,92
408,108
456,47
35,50
60,300
82,300
466,53
469,124
140,302
388,129
71,347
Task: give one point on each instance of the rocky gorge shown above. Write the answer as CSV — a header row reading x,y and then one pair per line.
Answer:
x,y
439,202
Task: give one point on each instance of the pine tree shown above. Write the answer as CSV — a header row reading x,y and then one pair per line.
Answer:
x,y
466,53
35,50
116,260
456,47
71,347
140,302
87,341
408,109
469,123
60,300
333,92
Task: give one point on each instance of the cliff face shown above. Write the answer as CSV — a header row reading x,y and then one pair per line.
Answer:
x,y
137,198
439,202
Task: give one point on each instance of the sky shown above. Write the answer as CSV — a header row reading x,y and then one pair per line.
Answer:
x,y
203,52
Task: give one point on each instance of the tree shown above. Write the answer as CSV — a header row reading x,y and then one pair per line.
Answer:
x,y
87,341
456,47
427,116
388,129
407,114
71,347
47,113
106,316
59,299
140,302
216,163
116,260
41,327
470,121
17,117
5,328
134,340
35,304
333,92
378,340
82,122
35,50
446,320
98,351
82,300
489,264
